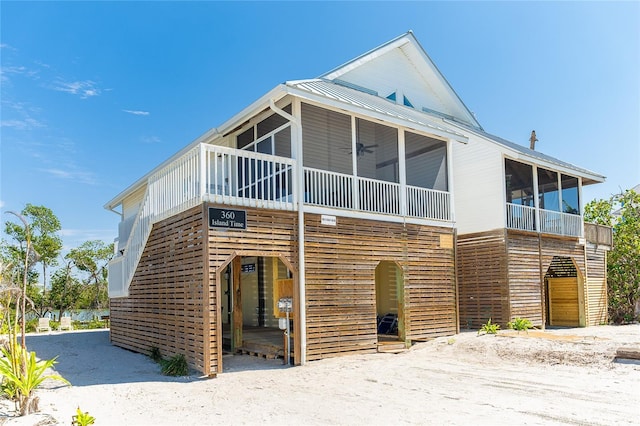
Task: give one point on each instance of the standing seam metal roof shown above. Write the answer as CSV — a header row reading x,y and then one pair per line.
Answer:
x,y
526,151
358,99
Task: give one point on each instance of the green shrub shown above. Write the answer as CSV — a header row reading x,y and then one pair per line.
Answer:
x,y
82,419
154,354
489,328
22,374
30,325
175,366
520,324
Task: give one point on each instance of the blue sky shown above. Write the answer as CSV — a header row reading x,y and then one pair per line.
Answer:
x,y
96,94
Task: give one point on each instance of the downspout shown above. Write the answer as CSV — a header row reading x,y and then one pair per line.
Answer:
x,y
301,269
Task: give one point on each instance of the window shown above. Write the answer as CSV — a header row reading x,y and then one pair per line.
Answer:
x,y
268,142
426,162
377,151
519,183
570,201
326,136
548,193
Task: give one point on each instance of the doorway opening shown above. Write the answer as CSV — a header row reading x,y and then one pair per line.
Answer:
x,y
251,287
564,294
389,302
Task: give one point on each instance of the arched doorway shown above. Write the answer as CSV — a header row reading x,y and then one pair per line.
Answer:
x,y
564,294
389,302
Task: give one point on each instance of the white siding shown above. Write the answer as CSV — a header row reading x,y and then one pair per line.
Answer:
x,y
479,186
395,72
130,209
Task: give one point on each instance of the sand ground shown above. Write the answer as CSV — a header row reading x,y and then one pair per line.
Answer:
x,y
565,376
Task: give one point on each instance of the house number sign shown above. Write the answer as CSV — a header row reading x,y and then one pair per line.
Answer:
x,y
227,218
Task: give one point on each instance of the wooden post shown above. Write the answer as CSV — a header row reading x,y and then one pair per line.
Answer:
x,y
236,267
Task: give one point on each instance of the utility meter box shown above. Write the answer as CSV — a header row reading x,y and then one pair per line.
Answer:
x,y
285,304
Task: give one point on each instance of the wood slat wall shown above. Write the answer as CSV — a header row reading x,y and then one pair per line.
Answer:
x,y
340,282
596,283
165,304
482,279
525,277
269,233
529,258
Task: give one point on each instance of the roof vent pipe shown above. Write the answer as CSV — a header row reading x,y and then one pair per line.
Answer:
x,y
533,140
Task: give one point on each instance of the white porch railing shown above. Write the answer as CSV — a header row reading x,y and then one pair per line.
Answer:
x,y
217,174
330,189
560,223
521,217
429,203
550,222
244,178
377,196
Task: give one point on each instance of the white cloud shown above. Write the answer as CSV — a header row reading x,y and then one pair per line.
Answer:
x,y
136,112
1,204
27,123
150,139
79,176
7,46
72,238
85,89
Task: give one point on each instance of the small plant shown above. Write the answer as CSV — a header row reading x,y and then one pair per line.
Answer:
x,y
175,366
451,341
154,354
22,374
489,328
82,418
520,324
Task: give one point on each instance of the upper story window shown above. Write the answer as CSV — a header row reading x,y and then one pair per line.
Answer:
x,y
426,162
269,136
556,191
326,138
570,194
377,151
548,191
519,183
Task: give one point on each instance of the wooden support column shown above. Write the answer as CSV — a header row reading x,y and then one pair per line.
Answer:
x,y
236,268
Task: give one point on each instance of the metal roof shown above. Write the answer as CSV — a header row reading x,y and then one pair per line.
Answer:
x,y
592,177
359,100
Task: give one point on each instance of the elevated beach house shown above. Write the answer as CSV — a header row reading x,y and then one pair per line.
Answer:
x,y
330,208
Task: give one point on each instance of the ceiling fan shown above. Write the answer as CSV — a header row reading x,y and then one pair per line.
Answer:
x,y
361,149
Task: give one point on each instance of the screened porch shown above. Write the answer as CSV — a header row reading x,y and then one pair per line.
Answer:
x,y
542,200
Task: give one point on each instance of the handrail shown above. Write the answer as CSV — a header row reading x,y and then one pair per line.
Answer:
x,y
331,189
226,175
550,222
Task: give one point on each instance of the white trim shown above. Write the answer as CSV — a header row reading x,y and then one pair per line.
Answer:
x,y
450,184
402,172
299,191
376,216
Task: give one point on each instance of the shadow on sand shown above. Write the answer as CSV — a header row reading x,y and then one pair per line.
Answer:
x,y
88,358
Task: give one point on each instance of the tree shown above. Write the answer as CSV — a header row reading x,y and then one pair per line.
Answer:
x,y
92,258
65,289
623,261
43,226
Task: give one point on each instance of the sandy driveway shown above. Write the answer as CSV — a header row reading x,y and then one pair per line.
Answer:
x,y
563,376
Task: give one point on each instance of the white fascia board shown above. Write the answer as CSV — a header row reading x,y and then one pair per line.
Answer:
x,y
590,176
208,137
320,100
366,57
